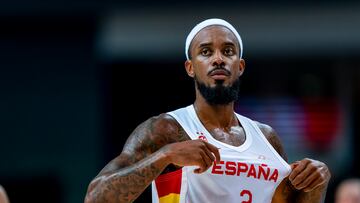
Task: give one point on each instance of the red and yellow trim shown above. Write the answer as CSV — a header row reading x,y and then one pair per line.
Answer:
x,y
168,187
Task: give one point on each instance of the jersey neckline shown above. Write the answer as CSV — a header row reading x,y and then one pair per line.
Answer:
x,y
241,148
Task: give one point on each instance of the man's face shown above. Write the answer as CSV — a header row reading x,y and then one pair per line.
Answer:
x,y
215,56
215,63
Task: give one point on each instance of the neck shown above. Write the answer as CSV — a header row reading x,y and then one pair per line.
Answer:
x,y
215,116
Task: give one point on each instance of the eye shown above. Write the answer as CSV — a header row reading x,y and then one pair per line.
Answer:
x,y
229,51
205,52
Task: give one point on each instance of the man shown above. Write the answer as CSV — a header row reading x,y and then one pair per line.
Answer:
x,y
348,191
206,152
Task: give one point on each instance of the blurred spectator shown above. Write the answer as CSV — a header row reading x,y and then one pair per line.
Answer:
x,y
3,196
348,191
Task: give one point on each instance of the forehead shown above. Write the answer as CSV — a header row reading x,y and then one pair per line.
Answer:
x,y
214,33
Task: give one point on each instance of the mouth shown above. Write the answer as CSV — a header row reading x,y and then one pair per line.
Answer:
x,y
219,74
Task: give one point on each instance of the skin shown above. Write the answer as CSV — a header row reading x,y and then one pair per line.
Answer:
x,y
348,191
160,145
3,196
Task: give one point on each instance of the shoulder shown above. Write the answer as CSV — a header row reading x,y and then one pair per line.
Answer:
x,y
165,127
3,195
267,130
154,133
2,190
147,138
273,138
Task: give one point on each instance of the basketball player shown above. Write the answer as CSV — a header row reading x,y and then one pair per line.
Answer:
x,y
348,191
205,152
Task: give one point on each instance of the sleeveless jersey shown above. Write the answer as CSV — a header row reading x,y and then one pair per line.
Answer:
x,y
249,173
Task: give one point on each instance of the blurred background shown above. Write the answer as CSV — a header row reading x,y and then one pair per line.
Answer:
x,y
76,77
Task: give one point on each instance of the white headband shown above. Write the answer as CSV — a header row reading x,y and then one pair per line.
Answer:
x,y
206,23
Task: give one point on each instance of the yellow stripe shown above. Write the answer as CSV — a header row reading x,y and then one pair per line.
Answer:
x,y
170,198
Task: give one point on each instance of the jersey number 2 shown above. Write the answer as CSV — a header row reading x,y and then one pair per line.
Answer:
x,y
246,193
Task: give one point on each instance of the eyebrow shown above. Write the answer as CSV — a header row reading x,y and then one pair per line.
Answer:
x,y
230,43
206,44
210,43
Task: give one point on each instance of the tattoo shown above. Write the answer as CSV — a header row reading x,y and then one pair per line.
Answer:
x,y
127,184
128,175
316,195
290,194
287,190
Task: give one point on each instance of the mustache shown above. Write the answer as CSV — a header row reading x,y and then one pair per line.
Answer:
x,y
227,72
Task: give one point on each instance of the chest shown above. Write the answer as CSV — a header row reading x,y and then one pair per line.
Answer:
x,y
235,136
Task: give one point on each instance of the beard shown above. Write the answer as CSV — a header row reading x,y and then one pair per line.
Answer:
x,y
220,94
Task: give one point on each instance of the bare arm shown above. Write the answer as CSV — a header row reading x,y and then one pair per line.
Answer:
x,y
140,162
153,145
308,180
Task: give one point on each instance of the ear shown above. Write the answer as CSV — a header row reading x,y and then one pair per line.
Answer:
x,y
189,68
241,67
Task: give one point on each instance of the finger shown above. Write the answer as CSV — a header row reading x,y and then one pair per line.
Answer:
x,y
306,181
202,167
214,150
297,170
207,161
201,162
303,175
294,165
209,154
197,170
314,184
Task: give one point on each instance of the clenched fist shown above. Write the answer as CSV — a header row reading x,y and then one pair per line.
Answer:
x,y
192,153
308,174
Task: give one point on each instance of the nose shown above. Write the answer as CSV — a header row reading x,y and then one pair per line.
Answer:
x,y
218,60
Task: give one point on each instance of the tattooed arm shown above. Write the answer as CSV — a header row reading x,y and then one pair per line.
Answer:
x,y
152,146
307,181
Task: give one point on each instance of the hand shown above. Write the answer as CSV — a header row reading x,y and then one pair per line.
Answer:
x,y
192,153
308,174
